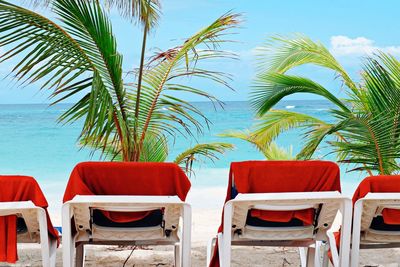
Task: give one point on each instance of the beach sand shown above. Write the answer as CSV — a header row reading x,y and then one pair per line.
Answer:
x,y
205,223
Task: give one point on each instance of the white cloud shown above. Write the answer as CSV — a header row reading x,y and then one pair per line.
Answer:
x,y
346,46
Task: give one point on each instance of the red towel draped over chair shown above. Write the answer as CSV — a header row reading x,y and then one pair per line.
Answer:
x,y
277,177
381,184
18,188
127,178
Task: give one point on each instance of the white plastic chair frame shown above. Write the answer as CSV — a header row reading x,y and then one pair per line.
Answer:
x,y
330,202
37,232
80,207
365,209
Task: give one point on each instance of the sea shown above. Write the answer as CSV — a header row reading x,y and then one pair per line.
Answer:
x,y
34,143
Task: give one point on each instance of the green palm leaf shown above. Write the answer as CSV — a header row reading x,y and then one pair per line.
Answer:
x,y
79,55
105,107
269,149
366,127
201,152
145,11
275,122
47,53
270,88
178,62
280,54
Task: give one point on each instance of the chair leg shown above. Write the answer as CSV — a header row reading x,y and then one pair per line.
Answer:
x,y
303,256
227,235
177,255
68,243
345,237
325,258
333,248
210,249
53,252
185,246
355,244
317,256
220,249
311,257
44,238
80,255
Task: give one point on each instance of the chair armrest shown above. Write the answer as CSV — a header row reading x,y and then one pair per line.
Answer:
x,y
126,199
10,208
125,203
381,200
17,205
383,196
287,200
332,201
366,208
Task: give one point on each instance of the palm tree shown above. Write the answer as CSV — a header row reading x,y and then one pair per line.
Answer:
x,y
366,129
128,116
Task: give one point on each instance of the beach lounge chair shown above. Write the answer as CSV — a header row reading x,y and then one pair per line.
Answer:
x,y
126,203
281,203
376,216
24,219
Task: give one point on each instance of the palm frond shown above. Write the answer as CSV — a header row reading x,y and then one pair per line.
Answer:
x,y
275,122
269,149
144,11
381,78
104,109
270,88
280,54
275,152
370,143
155,148
314,137
183,61
366,127
248,136
200,153
44,50
80,56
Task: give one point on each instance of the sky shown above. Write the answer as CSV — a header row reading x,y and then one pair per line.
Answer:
x,y
349,29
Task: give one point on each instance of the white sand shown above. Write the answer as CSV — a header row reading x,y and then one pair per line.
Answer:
x,y
206,204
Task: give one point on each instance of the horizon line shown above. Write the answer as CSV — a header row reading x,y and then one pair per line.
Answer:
x,y
223,101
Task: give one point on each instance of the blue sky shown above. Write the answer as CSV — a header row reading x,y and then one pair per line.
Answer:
x,y
350,29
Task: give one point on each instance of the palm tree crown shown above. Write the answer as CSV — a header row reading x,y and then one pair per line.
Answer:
x,y
78,55
366,129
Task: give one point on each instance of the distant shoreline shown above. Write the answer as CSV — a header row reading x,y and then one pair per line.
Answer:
x,y
195,102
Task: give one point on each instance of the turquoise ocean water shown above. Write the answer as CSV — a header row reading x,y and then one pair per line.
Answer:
x,y
33,143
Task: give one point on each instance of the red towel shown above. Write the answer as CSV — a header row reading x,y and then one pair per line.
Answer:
x,y
281,176
381,184
18,188
127,178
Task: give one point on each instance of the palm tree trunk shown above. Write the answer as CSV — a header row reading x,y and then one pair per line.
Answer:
x,y
125,154
137,149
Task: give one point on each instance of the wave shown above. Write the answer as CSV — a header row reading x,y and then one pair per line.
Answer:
x,y
290,107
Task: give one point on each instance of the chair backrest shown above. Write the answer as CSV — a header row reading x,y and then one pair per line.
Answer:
x,y
284,176
21,188
22,196
127,178
382,185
